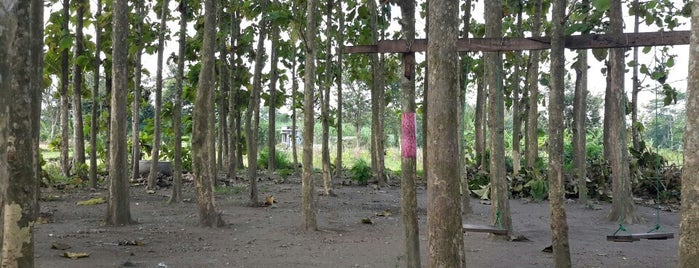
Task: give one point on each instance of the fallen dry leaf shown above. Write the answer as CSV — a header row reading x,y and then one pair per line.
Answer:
x,y
93,201
384,213
75,255
59,246
367,221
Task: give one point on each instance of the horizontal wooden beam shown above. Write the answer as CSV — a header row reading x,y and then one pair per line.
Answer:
x,y
531,43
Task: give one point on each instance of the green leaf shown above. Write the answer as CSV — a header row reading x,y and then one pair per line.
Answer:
x,y
646,50
670,62
644,69
602,5
600,54
82,61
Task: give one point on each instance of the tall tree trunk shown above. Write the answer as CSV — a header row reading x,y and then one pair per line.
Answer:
x,y
118,211
425,95
272,140
203,159
531,139
252,113
409,142
294,115
463,75
338,80
496,106
516,90
480,121
308,214
65,61
79,135
559,224
233,99
325,103
579,128
377,101
445,238
622,201
689,222
20,196
177,110
8,21
136,103
95,97
155,151
636,88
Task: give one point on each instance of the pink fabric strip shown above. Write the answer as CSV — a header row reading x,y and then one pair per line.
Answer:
x,y
408,138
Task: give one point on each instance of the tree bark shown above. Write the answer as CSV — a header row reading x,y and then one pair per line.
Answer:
x,y
531,140
308,214
294,115
689,222
496,107
78,132
636,88
8,22
95,96
272,130
377,101
203,160
516,108
136,103
233,99
20,196
65,61
480,121
409,142
177,110
118,211
622,201
325,103
463,75
445,238
252,113
338,80
559,224
155,151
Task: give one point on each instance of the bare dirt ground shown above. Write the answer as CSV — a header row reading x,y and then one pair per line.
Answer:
x,y
168,236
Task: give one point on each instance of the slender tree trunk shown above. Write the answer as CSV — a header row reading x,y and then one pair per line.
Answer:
x,y
118,211
20,196
579,128
308,213
445,238
425,95
516,108
203,157
465,192
480,121
559,224
79,135
377,102
272,140
496,107
233,99
531,139
622,202
95,96
136,104
409,142
65,138
689,223
155,152
251,120
177,110
294,115
325,103
636,88
338,77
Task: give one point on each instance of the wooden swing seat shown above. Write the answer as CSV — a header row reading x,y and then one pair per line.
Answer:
x,y
477,228
639,236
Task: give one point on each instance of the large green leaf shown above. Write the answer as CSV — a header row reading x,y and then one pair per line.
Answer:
x,y
601,4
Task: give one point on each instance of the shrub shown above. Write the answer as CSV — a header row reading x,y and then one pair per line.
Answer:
x,y
281,160
360,171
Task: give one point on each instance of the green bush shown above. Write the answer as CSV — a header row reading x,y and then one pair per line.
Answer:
x,y
281,160
538,189
360,171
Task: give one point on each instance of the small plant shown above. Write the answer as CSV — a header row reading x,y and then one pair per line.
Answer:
x,y
538,189
285,172
360,172
281,161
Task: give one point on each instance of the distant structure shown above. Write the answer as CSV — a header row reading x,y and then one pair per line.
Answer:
x,y
286,137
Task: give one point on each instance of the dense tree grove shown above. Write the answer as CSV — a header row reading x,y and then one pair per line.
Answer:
x,y
96,86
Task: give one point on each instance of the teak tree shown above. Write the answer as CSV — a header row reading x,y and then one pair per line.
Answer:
x,y
78,66
308,214
137,88
65,137
377,101
118,210
444,224
177,109
531,135
95,97
203,155
155,150
689,222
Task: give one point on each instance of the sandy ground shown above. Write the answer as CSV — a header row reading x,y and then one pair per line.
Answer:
x,y
168,236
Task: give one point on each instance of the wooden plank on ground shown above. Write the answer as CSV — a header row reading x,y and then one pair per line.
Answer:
x,y
477,228
513,44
